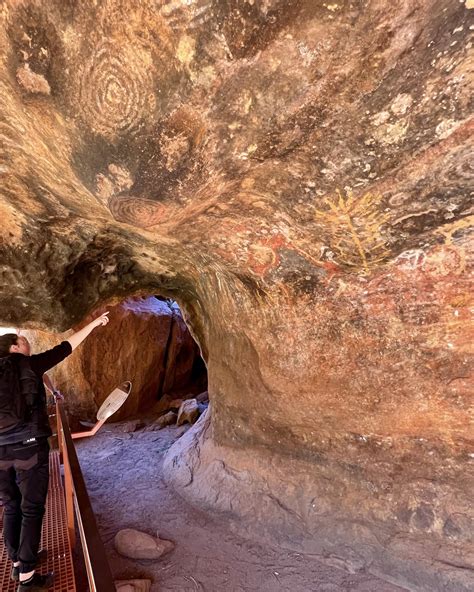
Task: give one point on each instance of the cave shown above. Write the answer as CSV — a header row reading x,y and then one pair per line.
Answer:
x,y
297,175
146,342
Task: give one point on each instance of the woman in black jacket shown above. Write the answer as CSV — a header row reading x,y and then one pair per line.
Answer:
x,y
24,455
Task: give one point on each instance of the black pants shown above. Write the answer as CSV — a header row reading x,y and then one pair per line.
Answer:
x,y
24,477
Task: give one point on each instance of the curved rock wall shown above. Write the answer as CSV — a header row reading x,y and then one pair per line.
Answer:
x,y
298,176
345,514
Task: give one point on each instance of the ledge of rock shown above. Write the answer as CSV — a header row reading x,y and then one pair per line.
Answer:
x,y
309,507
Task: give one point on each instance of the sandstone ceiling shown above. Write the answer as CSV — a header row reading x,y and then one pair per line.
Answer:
x,y
281,144
298,175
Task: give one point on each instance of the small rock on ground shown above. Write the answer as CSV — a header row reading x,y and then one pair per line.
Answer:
x,y
140,545
133,585
188,412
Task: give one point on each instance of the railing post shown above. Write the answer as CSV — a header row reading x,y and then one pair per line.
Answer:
x,y
68,481
97,567
69,493
59,432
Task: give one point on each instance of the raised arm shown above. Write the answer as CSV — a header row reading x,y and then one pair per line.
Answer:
x,y
78,337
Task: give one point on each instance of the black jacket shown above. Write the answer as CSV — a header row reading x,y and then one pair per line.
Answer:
x,y
32,369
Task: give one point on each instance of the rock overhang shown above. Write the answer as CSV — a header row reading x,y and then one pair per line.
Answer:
x,y
297,175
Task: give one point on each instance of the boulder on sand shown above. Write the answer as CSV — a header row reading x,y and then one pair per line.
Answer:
x,y
188,412
133,585
134,544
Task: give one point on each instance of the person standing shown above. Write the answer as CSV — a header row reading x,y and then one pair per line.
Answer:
x,y
24,451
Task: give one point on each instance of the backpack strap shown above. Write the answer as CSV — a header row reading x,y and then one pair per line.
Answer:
x,y
28,381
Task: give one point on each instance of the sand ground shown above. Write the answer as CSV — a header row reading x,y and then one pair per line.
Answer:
x,y
123,472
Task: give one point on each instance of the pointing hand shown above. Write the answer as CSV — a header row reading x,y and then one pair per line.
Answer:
x,y
103,319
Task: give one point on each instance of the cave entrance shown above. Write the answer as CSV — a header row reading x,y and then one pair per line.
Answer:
x,y
146,342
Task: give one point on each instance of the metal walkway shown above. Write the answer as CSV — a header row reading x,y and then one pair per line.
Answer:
x,y
54,538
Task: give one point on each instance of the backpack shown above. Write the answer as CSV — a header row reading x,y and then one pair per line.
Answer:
x,y
13,408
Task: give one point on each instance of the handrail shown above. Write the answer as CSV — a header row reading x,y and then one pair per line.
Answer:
x,y
98,570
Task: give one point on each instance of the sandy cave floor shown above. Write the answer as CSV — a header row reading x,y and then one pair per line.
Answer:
x,y
123,472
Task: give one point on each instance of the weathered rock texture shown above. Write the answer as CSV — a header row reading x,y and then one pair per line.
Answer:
x,y
298,176
146,342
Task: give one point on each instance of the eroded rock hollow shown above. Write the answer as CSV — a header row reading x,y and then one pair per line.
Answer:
x,y
146,342
298,176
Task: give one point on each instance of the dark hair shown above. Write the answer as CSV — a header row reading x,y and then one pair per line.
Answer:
x,y
6,341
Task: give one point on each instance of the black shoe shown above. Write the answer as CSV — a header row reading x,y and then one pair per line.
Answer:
x,y
37,583
41,558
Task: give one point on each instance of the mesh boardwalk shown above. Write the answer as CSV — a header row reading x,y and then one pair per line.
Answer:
x,y
54,538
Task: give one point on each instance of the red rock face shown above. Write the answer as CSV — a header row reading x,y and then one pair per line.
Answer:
x,y
298,176
145,342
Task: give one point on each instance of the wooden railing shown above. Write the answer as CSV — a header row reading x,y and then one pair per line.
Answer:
x,y
98,570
